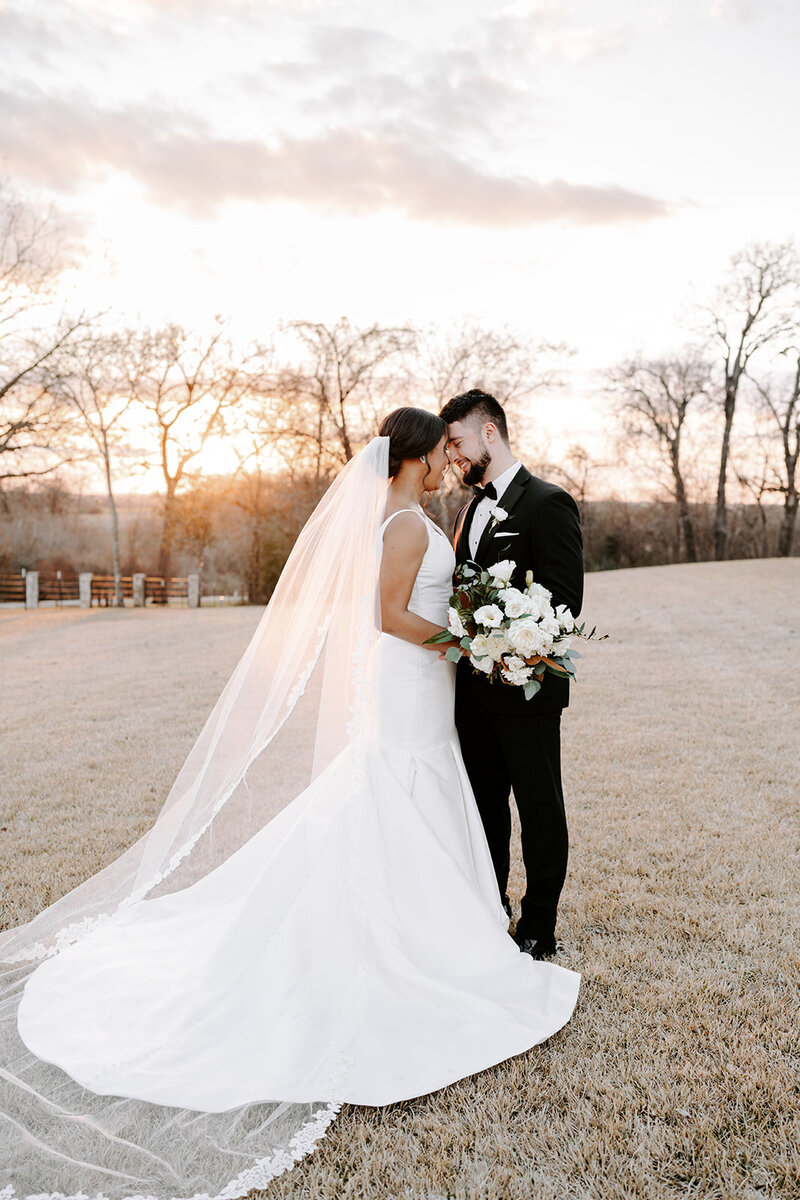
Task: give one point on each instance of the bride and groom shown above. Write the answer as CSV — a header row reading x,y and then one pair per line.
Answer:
x,y
189,1020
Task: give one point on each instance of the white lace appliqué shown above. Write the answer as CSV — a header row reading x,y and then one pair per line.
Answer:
x,y
257,1176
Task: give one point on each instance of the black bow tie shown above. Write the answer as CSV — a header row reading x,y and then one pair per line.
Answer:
x,y
490,490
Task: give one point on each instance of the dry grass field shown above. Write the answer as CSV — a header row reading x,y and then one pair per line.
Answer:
x,y
678,1075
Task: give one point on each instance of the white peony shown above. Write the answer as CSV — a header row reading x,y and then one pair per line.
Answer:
x,y
455,625
501,572
516,603
565,618
491,645
527,637
489,615
516,671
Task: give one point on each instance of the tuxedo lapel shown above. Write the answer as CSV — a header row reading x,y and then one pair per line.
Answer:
x,y
463,522
508,502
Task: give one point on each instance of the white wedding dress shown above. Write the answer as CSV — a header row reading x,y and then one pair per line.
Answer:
x,y
381,915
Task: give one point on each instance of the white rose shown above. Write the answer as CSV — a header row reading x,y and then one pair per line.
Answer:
x,y
501,572
550,626
538,591
455,625
499,644
515,602
561,646
499,514
483,664
540,600
565,618
489,615
492,645
516,671
527,637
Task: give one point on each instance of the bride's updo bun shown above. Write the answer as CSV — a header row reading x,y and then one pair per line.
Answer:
x,y
412,432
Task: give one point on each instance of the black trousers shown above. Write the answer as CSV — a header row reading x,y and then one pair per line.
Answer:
x,y
505,751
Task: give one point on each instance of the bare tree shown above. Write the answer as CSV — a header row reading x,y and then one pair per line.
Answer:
x,y
34,430
346,374
35,250
499,361
257,451
755,479
94,377
756,308
655,397
780,402
576,470
188,385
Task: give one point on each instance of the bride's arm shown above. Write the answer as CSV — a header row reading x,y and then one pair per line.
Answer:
x,y
404,543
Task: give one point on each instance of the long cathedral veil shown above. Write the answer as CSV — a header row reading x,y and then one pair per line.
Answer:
x,y
297,698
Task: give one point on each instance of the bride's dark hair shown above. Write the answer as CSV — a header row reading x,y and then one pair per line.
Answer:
x,y
412,432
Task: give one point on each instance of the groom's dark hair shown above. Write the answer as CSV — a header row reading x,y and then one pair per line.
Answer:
x,y
478,407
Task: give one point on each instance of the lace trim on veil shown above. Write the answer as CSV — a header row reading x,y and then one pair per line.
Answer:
x,y
257,1176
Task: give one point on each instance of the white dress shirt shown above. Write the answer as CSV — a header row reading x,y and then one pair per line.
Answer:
x,y
485,507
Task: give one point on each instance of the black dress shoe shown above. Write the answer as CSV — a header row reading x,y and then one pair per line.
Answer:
x,y
538,948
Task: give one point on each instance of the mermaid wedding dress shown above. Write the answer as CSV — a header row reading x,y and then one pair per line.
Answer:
x,y
353,949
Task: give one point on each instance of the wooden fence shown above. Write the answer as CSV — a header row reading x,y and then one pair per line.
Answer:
x,y
33,588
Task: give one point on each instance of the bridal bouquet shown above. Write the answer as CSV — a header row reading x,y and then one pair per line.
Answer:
x,y
511,635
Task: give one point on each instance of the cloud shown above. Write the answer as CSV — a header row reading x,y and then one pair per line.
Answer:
x,y
475,90
746,11
184,165
460,102
25,35
520,37
577,45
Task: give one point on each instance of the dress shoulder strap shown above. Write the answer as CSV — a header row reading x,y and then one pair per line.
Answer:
x,y
397,514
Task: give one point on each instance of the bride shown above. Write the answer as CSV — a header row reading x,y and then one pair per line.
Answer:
x,y
313,919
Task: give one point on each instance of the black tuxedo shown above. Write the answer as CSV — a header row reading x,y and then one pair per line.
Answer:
x,y
509,742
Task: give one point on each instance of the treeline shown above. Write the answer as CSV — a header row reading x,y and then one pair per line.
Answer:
x,y
47,528
709,431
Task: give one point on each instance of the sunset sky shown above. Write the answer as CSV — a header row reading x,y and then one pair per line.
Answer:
x,y
577,170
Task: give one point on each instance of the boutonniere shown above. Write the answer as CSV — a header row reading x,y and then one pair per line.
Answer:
x,y
499,514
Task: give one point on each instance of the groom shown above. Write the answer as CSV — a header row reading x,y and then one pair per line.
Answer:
x,y
509,742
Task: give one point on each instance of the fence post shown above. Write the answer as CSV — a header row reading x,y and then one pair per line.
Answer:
x,y
32,589
85,589
193,590
137,586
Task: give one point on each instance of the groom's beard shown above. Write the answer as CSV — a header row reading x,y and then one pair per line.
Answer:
x,y
477,469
